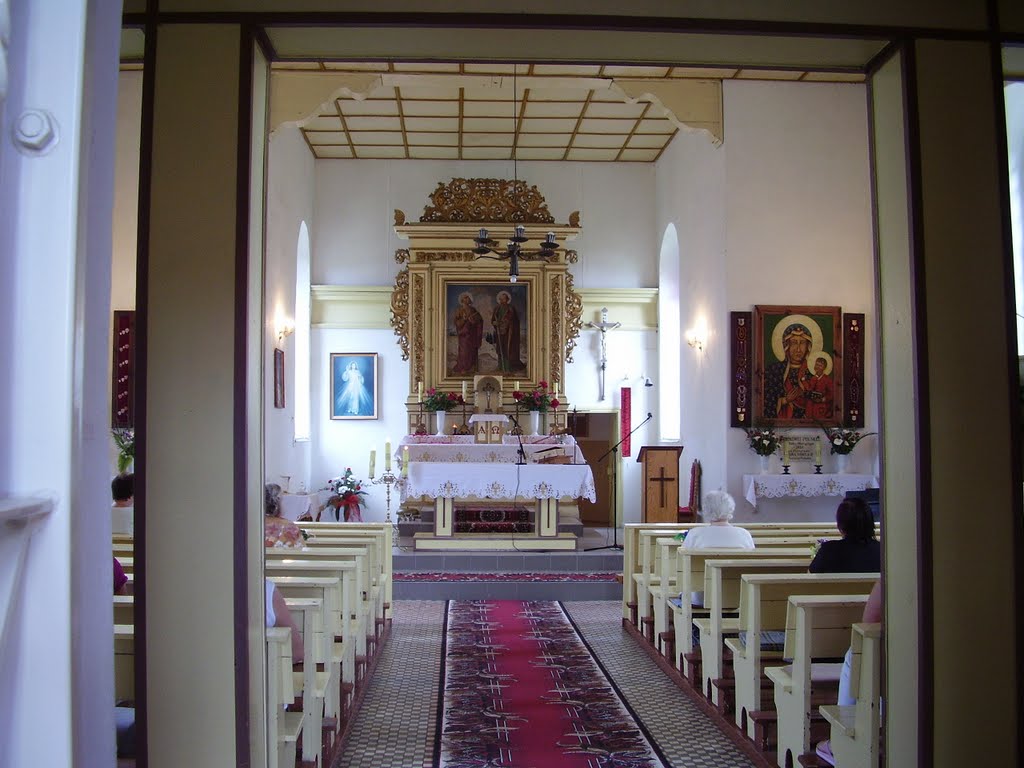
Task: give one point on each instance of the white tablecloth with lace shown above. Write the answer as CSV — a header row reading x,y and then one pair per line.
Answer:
x,y
809,485
484,453
498,480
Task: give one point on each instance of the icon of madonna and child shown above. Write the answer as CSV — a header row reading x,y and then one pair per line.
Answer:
x,y
487,328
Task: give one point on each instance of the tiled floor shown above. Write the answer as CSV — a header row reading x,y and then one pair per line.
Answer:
x,y
396,726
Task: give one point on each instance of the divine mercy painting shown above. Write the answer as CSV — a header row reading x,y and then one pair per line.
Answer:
x,y
487,329
354,385
799,366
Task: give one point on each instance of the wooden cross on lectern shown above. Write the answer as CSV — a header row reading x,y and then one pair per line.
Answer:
x,y
661,482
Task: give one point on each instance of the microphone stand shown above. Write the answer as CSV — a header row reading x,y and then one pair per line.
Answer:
x,y
519,435
614,451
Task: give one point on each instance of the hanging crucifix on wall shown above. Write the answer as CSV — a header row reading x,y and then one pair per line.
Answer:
x,y
604,326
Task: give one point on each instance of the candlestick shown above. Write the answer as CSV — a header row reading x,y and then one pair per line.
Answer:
x,y
389,479
387,455
817,453
405,461
373,461
785,451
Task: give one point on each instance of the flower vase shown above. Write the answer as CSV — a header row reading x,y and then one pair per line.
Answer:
x,y
764,464
442,419
842,463
533,423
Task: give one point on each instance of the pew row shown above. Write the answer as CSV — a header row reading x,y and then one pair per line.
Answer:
x,y
283,727
817,637
855,730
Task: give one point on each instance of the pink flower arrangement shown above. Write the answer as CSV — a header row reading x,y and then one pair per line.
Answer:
x,y
441,401
537,400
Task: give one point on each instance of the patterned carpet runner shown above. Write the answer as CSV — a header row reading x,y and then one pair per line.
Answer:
x,y
529,576
521,690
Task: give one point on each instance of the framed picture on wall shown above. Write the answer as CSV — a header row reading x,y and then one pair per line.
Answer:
x,y
354,385
279,378
798,368
487,329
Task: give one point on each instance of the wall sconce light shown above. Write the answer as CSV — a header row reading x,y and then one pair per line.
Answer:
x,y
697,336
283,332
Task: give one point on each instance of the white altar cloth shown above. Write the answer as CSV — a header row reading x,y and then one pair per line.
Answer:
x,y
295,505
770,486
490,453
498,480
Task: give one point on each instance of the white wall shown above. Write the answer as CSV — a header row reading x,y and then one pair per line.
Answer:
x,y
126,189
290,202
354,240
797,206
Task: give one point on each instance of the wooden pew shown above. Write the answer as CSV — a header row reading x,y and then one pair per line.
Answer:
x,y
722,579
690,578
313,684
360,555
855,730
817,635
764,600
124,662
377,579
283,728
383,533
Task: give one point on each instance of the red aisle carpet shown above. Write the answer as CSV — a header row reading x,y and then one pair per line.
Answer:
x,y
521,690
456,576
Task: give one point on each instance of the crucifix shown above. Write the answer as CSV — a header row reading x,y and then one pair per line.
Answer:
x,y
604,326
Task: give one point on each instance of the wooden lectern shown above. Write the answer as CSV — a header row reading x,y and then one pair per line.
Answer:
x,y
661,482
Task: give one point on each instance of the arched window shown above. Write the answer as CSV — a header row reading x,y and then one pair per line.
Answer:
x,y
301,388
669,337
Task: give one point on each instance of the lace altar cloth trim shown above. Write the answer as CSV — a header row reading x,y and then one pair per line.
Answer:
x,y
779,486
498,481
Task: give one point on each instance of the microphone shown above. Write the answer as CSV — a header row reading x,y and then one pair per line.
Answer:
x,y
650,415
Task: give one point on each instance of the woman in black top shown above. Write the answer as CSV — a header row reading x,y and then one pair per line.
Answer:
x,y
858,551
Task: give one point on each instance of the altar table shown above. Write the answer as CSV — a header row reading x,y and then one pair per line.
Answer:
x,y
490,472
773,486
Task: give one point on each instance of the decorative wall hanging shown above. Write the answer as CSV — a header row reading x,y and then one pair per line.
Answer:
x,y
740,355
279,378
626,421
798,368
122,390
853,370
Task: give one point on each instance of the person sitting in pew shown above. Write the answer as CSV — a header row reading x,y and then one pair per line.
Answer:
x,y
858,551
122,511
720,533
121,586
873,614
278,615
277,531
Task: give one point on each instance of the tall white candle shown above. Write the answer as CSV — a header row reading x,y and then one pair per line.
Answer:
x,y
387,455
463,390
419,391
556,389
515,386
817,451
373,461
405,461
785,451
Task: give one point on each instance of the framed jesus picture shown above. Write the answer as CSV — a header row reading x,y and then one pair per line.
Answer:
x,y
354,385
487,329
798,366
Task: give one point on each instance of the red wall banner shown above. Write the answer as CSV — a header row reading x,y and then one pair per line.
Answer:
x,y
626,421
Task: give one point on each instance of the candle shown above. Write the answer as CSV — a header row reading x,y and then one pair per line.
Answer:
x,y
373,461
785,451
556,389
463,390
419,391
405,461
387,455
515,386
817,452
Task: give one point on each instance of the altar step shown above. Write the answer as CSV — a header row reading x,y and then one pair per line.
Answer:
x,y
459,575
568,522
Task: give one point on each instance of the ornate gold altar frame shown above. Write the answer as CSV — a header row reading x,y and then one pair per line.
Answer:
x,y
440,254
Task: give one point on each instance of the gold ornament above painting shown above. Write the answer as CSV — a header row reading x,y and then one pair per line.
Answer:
x,y
457,316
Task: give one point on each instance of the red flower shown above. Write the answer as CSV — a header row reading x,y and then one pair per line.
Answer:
x,y
517,395
431,391
554,403
542,384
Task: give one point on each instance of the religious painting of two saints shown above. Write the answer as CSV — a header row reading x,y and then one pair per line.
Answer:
x,y
798,366
487,329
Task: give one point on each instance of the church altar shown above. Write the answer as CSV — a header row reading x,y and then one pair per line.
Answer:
x,y
486,471
808,485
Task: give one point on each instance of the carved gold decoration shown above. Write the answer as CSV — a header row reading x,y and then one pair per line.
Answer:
x,y
573,317
556,346
400,311
487,200
427,256
399,217
574,219
571,257
402,256
418,308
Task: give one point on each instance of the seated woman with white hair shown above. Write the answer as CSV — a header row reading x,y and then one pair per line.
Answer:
x,y
718,534
721,533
